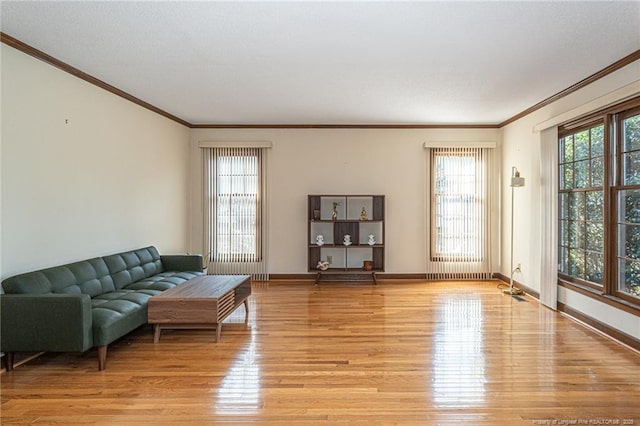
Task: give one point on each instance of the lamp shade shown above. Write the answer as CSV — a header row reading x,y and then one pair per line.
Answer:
x,y
517,181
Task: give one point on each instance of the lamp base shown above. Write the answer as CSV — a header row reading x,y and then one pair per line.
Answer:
x,y
513,291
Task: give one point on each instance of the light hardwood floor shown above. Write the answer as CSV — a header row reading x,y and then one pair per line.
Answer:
x,y
428,353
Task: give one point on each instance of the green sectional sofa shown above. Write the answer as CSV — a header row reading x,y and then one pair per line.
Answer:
x,y
86,304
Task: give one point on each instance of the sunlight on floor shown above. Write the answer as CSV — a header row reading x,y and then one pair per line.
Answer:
x,y
240,390
458,359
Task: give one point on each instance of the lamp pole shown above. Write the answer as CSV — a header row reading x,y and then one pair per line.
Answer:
x,y
516,180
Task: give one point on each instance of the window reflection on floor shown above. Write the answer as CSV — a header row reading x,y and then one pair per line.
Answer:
x,y
459,365
239,392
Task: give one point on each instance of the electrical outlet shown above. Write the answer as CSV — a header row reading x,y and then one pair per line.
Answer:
x,y
330,259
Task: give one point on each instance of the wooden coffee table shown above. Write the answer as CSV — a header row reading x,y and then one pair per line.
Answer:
x,y
199,303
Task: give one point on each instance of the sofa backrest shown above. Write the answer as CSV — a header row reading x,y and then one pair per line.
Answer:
x,y
131,266
90,277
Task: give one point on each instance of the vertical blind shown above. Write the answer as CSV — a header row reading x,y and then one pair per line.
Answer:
x,y
460,242
235,211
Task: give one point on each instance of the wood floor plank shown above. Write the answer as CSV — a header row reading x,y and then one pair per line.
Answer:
x,y
393,353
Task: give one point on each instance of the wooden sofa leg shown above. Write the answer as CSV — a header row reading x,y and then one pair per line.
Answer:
x,y
8,360
102,357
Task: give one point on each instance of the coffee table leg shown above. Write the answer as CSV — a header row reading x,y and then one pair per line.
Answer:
x,y
156,333
218,331
246,311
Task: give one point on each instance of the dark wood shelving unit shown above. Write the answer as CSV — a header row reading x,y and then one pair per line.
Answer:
x,y
346,261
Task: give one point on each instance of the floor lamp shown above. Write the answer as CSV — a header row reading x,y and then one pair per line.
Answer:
x,y
516,181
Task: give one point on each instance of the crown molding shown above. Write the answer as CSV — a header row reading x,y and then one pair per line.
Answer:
x,y
574,88
38,54
344,126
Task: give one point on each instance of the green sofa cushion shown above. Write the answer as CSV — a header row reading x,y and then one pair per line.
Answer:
x,y
162,281
132,266
85,277
28,283
117,313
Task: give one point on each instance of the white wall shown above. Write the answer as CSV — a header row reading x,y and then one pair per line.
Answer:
x,y
84,172
339,161
1,91
521,148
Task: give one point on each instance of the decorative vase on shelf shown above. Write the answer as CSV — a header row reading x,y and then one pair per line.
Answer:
x,y
334,213
363,214
319,240
347,240
372,240
322,266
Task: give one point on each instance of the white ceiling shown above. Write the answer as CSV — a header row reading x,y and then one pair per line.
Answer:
x,y
333,62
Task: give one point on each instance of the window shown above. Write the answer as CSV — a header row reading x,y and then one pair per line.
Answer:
x,y
581,204
458,210
236,199
628,207
599,203
234,182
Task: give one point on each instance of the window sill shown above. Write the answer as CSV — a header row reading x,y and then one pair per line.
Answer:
x,y
598,295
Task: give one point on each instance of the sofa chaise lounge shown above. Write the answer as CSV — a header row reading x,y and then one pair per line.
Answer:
x,y
86,304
